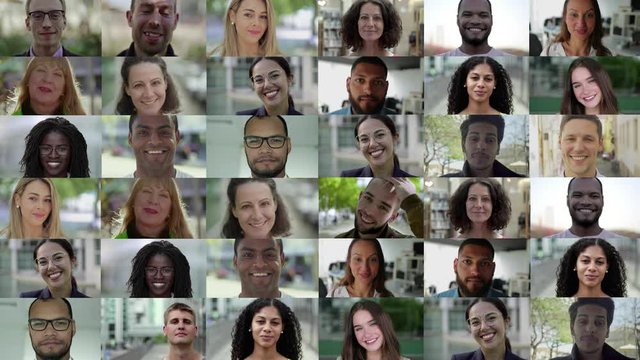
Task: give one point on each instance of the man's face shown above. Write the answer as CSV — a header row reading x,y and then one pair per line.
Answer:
x,y
585,201
153,140
579,144
181,328
258,262
474,21
266,161
152,23
377,205
51,343
474,270
590,329
481,146
367,87
47,31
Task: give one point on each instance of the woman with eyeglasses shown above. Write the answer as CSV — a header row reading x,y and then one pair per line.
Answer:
x,y
271,79
54,260
376,137
160,270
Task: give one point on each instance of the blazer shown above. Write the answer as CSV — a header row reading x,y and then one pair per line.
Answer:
x,y
46,294
477,355
65,52
366,172
261,111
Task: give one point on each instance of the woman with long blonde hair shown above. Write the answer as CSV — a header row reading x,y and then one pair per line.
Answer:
x,y
154,210
48,87
249,29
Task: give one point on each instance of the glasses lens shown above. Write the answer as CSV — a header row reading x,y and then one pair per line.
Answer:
x,y
37,324
253,141
60,324
276,141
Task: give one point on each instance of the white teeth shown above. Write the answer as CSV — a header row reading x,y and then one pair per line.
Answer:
x,y
475,29
586,210
158,285
155,152
260,274
579,158
271,94
370,341
53,164
376,153
366,219
488,336
589,98
55,276
258,224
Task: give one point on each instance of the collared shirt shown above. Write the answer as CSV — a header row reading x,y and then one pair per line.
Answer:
x,y
131,51
347,111
498,170
492,52
453,293
58,52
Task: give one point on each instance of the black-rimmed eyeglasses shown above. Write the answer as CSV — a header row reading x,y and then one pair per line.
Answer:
x,y
60,324
274,142
165,271
54,15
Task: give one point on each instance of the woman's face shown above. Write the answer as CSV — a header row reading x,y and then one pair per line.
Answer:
x,y
251,21
367,331
580,19
55,154
34,204
46,85
152,207
271,83
591,267
370,22
54,265
586,90
376,143
487,326
480,83
266,327
159,274
364,262
479,206
147,88
255,209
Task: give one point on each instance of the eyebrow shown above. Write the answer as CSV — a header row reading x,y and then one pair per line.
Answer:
x,y
383,202
142,126
478,133
596,316
54,254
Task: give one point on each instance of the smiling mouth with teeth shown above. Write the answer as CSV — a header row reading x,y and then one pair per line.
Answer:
x,y
158,285
155,152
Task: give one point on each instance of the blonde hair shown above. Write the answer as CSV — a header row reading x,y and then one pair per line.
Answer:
x,y
70,102
50,228
267,43
177,222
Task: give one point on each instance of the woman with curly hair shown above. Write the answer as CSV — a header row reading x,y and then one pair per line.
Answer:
x,y
55,148
591,267
371,28
588,90
480,85
479,208
266,329
147,88
581,31
364,274
160,270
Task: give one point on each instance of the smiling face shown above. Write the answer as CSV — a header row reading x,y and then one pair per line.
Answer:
x,y
46,85
265,161
159,274
153,140
152,207
250,21
46,34
590,329
152,23
585,201
50,343
367,331
580,19
481,146
474,21
480,83
591,267
147,88
474,269
376,143
55,154
271,83
367,87
255,208
580,144
479,205
266,327
54,265
586,90
370,22
487,326
364,263
258,262
377,205
34,204
181,328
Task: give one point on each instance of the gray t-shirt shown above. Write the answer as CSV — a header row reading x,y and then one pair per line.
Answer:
x,y
604,234
492,52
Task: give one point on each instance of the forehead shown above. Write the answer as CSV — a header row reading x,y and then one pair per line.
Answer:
x,y
580,72
37,187
159,260
368,70
362,317
593,251
253,191
591,310
156,3
257,244
45,5
265,66
265,126
482,308
370,8
483,128
49,65
370,125
49,248
152,121
180,314
474,6
581,5
585,185
478,189
580,127
269,312
55,136
256,5
50,309
473,250
482,69
144,70
365,248
381,190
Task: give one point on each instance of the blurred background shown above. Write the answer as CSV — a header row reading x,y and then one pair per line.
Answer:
x,y
115,192
297,277
81,35
295,26
87,71
330,23
338,147
299,195
18,273
118,159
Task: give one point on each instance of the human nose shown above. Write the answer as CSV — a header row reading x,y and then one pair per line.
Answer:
x,y
46,21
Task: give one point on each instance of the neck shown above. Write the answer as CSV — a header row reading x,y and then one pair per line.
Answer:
x,y
182,352
264,353
584,291
575,47
592,111
470,49
592,173
581,231
168,171
43,109
384,170
494,354
29,232
261,293
280,109
371,48
360,290
40,50
479,231
141,53
148,231
66,356
374,355
248,49
479,108
61,292
488,172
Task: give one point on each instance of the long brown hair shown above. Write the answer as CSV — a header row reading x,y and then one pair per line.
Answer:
x,y
571,105
595,40
380,278
351,350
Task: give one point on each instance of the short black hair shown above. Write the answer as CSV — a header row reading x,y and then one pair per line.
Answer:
x,y
173,118
495,120
595,177
489,2
53,299
373,60
284,123
237,242
478,242
604,302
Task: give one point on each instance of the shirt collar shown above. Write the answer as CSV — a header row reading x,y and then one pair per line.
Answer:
x,y
58,52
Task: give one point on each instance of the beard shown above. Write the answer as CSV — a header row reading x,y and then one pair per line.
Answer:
x,y
368,231
358,110
466,292
475,41
268,173
53,356
579,220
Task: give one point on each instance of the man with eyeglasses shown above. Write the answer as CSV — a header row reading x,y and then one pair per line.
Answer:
x,y
267,146
51,328
46,21
367,87
152,23
474,268
259,263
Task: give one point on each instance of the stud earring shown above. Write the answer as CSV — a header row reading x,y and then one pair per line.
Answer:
x,y
465,85
249,330
233,24
574,269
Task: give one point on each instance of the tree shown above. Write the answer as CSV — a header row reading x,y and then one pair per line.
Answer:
x,y
549,323
442,138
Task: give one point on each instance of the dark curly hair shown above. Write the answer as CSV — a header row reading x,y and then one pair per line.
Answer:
x,y
78,163
181,287
500,98
392,25
288,345
351,350
501,205
379,279
614,283
571,105
125,104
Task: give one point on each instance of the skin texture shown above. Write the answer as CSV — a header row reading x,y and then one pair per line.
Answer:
x,y
474,23
55,267
586,90
367,88
580,144
480,84
147,88
585,203
368,333
479,206
370,23
590,329
152,207
273,94
46,35
488,327
259,263
152,23
591,268
474,270
377,205
250,24
266,161
46,88
56,163
378,145
35,206
50,343
481,147
255,210
364,264
154,140
580,19
180,329
266,327
159,285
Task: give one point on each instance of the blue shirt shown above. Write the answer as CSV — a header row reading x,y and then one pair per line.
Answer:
x,y
453,293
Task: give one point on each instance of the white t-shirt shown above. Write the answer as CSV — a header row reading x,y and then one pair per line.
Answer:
x,y
492,52
604,234
556,49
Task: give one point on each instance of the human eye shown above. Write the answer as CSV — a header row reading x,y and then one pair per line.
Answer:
x,y
58,258
377,18
60,323
363,139
274,75
368,198
38,323
265,203
253,141
357,259
357,328
599,323
374,259
467,262
474,322
383,207
42,262
258,80
246,254
248,15
359,81
364,17
378,82
270,255
576,85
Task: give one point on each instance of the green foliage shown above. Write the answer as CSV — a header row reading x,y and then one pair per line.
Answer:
x,y
549,322
338,193
442,135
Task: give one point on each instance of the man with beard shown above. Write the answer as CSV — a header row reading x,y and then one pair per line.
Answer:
x,y
152,23
367,87
51,328
590,320
181,330
474,268
267,146
474,22
585,202
378,205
